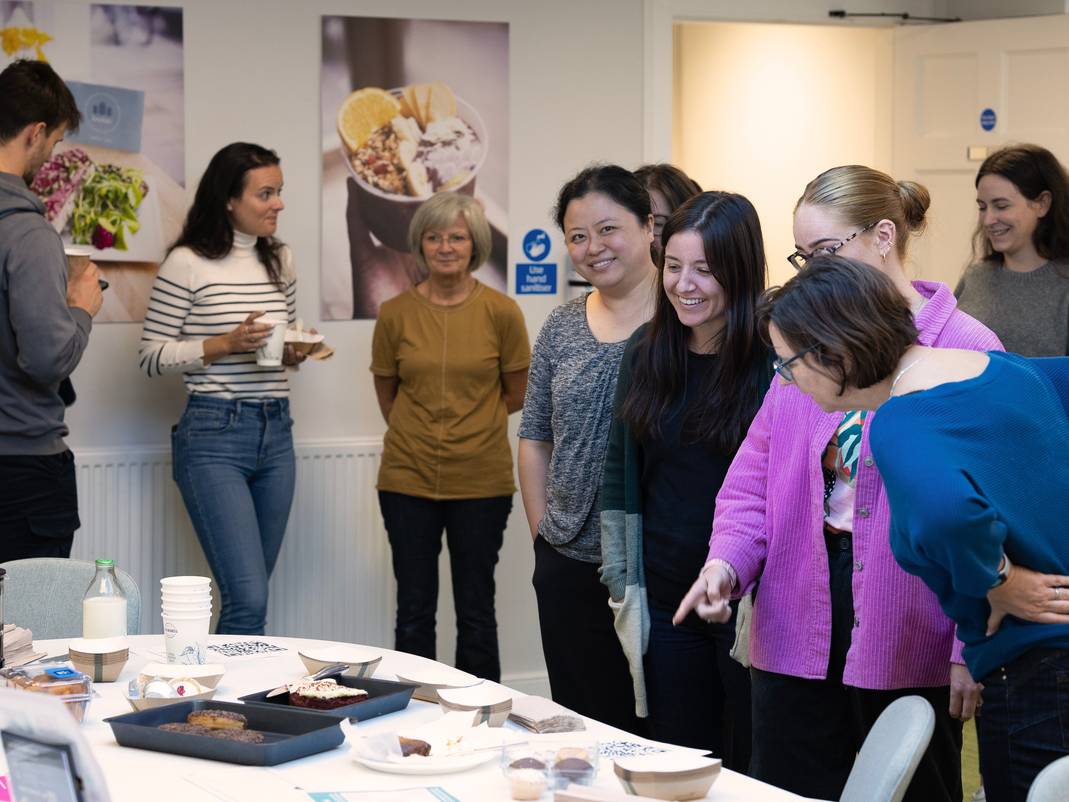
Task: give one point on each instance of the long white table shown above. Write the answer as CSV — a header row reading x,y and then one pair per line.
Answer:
x,y
134,775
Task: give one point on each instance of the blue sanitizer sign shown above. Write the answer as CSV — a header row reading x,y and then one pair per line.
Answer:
x,y
536,277
988,119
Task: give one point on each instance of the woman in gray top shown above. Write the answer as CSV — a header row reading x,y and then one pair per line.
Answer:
x,y
604,213
1019,286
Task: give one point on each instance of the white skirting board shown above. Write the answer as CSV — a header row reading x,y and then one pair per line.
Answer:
x,y
334,578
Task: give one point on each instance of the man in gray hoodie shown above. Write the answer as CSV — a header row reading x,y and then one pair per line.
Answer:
x,y
44,323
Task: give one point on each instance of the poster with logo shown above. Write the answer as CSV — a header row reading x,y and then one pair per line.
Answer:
x,y
117,185
409,108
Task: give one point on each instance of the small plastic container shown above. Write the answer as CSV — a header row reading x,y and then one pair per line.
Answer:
x,y
61,680
526,768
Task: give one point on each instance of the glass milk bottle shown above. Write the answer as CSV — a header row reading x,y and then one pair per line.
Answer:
x,y
104,604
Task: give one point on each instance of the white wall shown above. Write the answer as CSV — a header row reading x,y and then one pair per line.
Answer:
x,y
762,109
994,9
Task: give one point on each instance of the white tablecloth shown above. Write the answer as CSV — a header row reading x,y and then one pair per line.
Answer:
x,y
137,775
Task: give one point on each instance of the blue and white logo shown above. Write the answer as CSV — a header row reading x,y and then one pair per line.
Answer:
x,y
536,245
988,119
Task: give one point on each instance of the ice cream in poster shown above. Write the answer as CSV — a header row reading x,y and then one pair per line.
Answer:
x,y
396,132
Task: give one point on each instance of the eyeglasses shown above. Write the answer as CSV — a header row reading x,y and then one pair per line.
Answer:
x,y
798,259
437,240
782,367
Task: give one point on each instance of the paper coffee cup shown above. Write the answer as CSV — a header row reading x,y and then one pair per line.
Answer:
x,y
77,261
270,353
186,637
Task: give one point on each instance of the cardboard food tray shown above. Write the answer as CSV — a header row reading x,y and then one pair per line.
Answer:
x,y
289,734
384,696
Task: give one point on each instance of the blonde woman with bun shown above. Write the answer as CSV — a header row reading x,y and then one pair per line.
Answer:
x,y
839,631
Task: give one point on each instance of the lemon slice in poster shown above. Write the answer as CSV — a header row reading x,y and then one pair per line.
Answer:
x,y
364,111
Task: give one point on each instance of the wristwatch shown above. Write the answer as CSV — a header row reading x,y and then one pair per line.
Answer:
x,y
1003,571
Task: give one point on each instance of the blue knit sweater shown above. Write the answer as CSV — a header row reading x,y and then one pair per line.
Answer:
x,y
973,468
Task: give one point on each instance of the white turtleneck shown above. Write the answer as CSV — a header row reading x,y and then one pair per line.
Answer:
x,y
196,298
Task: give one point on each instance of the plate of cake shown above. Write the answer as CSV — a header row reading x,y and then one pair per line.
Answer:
x,y
233,733
357,698
445,746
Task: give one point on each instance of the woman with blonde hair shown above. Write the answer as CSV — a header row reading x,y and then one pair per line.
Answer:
x,y
839,630
450,359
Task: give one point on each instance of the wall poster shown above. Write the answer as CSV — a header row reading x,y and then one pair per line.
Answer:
x,y
117,186
440,85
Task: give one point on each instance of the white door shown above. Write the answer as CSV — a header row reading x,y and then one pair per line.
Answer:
x,y
945,77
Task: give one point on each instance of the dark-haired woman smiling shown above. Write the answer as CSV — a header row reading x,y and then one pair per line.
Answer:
x,y
690,383
233,447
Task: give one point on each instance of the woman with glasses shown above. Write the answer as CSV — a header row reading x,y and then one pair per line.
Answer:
x,y
968,517
690,383
839,630
1019,285
449,358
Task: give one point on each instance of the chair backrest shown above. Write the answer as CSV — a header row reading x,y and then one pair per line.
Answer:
x,y
891,752
1051,783
44,594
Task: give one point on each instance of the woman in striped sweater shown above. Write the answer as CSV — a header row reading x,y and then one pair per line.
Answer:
x,y
233,446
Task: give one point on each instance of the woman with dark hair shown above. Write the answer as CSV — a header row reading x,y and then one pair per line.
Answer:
x,y
669,188
690,383
604,213
803,512
233,446
1019,285
972,512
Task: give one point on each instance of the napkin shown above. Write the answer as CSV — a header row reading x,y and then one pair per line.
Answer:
x,y
538,714
18,646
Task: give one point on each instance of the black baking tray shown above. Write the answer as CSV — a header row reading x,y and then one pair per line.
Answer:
x,y
383,696
288,734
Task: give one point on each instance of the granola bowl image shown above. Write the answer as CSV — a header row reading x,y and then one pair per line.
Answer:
x,y
403,145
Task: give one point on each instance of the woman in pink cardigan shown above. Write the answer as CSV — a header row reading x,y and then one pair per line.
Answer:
x,y
839,631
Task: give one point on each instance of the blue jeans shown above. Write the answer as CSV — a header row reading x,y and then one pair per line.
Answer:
x,y
475,530
1024,723
234,465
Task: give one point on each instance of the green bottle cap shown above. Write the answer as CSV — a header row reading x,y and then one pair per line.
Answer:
x,y
106,563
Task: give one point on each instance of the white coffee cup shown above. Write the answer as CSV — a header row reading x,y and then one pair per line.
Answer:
x,y
269,354
186,637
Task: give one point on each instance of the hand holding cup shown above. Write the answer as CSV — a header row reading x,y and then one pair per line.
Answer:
x,y
84,284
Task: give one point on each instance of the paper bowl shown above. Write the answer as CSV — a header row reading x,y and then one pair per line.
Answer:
x,y
102,659
490,703
388,215
675,776
362,662
433,678
207,674
149,704
303,342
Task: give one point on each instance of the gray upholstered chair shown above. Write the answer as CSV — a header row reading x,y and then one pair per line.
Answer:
x,y
44,594
1050,785
891,752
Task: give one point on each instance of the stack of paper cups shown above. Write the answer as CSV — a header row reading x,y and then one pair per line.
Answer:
x,y
187,613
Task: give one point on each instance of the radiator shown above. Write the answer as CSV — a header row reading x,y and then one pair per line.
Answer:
x,y
333,579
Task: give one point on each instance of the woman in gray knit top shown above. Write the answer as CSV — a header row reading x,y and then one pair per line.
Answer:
x,y
1019,286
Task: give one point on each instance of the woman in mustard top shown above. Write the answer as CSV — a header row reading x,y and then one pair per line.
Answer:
x,y
450,359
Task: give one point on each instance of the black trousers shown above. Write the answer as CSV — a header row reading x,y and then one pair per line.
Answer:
x,y
474,530
38,506
588,672
806,733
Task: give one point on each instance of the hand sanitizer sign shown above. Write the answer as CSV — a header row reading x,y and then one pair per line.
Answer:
x,y
536,277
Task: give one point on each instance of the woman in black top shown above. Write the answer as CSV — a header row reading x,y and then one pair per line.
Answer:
x,y
690,383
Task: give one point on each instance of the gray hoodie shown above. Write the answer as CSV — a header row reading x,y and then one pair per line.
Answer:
x,y
41,338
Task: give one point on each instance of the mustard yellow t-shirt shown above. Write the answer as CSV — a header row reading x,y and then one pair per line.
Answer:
x,y
448,428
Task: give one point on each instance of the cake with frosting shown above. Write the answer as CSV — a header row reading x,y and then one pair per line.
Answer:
x,y
324,694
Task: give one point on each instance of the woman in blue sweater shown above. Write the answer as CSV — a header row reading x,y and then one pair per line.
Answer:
x,y
971,448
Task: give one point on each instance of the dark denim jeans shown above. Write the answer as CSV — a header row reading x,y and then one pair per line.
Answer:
x,y
234,465
474,530
38,505
698,695
1024,722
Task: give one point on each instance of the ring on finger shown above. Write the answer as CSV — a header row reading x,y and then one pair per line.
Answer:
x,y
1057,593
